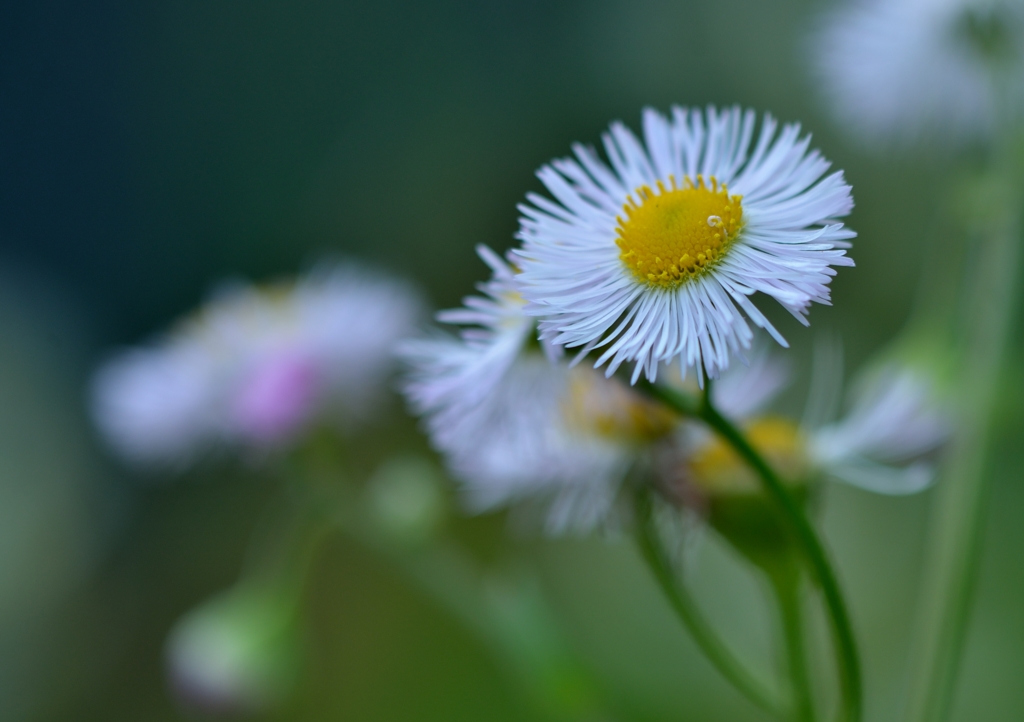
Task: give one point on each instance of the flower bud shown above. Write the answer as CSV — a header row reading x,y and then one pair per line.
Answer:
x,y
405,500
237,653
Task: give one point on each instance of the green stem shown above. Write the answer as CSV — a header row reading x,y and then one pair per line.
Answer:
x,y
786,585
800,527
284,545
959,512
686,608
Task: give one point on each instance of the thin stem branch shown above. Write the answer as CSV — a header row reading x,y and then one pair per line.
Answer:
x,y
803,533
284,545
959,514
504,611
685,606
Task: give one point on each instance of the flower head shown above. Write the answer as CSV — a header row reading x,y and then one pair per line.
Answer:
x,y
881,444
256,365
518,425
653,260
896,69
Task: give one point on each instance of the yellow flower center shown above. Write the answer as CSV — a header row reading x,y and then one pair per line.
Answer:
x,y
718,469
678,233
610,409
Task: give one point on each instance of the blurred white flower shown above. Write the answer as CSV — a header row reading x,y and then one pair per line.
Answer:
x,y
256,365
882,444
897,69
517,424
746,390
653,259
153,405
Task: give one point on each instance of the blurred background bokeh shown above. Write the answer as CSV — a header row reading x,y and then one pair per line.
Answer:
x,y
150,150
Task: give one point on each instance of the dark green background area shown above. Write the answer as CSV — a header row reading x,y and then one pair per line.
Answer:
x,y
149,150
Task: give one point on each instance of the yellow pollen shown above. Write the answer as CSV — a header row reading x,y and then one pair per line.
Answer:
x,y
677,233
718,469
611,410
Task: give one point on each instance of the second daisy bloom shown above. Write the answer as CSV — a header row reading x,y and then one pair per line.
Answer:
x,y
652,257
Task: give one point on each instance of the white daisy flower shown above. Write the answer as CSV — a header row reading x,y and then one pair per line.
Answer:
x,y
882,444
255,366
653,259
897,69
517,425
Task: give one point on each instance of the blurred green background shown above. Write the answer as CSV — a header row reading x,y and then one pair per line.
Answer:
x,y
149,150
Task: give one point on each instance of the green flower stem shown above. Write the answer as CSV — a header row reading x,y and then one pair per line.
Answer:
x,y
685,606
799,525
959,514
284,545
785,583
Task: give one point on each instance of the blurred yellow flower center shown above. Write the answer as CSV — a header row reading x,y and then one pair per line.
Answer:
x,y
612,410
678,233
718,469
